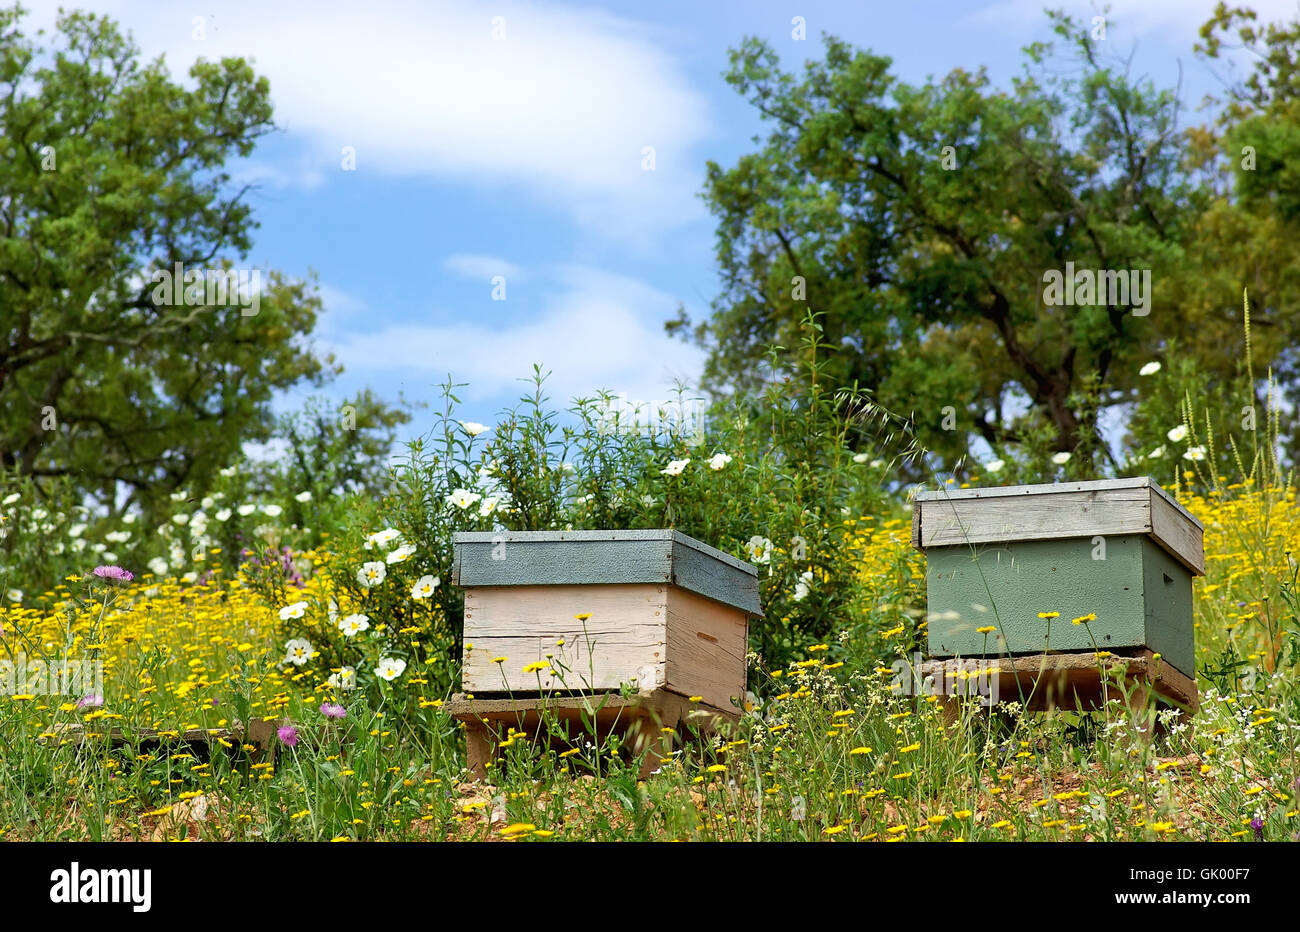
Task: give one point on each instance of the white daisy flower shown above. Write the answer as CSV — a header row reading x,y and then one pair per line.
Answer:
x,y
473,428
383,538
303,497
354,625
401,554
463,498
801,588
994,466
759,549
424,587
1150,368
1060,459
861,457
390,668
296,610
675,467
372,574
719,461
1178,434
297,651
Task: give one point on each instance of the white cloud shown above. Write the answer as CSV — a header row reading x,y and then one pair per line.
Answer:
x,y
595,331
562,106
304,176
481,267
339,303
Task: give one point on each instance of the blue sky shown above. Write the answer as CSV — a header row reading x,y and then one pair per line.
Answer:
x,y
522,157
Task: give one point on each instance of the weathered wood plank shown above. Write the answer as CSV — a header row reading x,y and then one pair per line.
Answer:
x,y
624,639
1185,540
1105,508
958,521
707,643
1067,680
259,734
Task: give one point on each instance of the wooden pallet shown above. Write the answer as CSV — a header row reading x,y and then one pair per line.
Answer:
x,y
640,719
1078,681
261,735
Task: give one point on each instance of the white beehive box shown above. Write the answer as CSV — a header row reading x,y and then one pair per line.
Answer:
x,y
666,612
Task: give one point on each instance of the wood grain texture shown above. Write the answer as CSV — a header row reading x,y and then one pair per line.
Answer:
x,y
624,640
1105,508
706,649
1074,680
1185,540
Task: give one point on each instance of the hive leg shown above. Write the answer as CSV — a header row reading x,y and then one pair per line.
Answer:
x,y
655,741
479,747
1141,706
949,710
262,735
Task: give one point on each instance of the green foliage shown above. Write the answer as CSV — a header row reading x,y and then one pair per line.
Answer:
x,y
771,479
319,464
920,220
112,171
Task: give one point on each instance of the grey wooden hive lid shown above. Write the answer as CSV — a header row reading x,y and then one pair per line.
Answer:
x,y
1056,510
559,558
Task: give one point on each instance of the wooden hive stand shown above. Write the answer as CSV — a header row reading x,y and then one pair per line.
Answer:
x,y
649,723
1082,681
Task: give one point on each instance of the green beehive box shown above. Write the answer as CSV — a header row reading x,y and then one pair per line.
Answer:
x,y
1121,549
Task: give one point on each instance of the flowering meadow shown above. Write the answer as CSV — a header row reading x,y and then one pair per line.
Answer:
x,y
276,664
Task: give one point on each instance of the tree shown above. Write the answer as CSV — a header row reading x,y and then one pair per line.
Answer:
x,y
925,223
1251,156
335,448
112,175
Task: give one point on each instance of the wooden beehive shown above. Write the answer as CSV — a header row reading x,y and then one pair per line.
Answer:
x,y
666,612
1121,549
